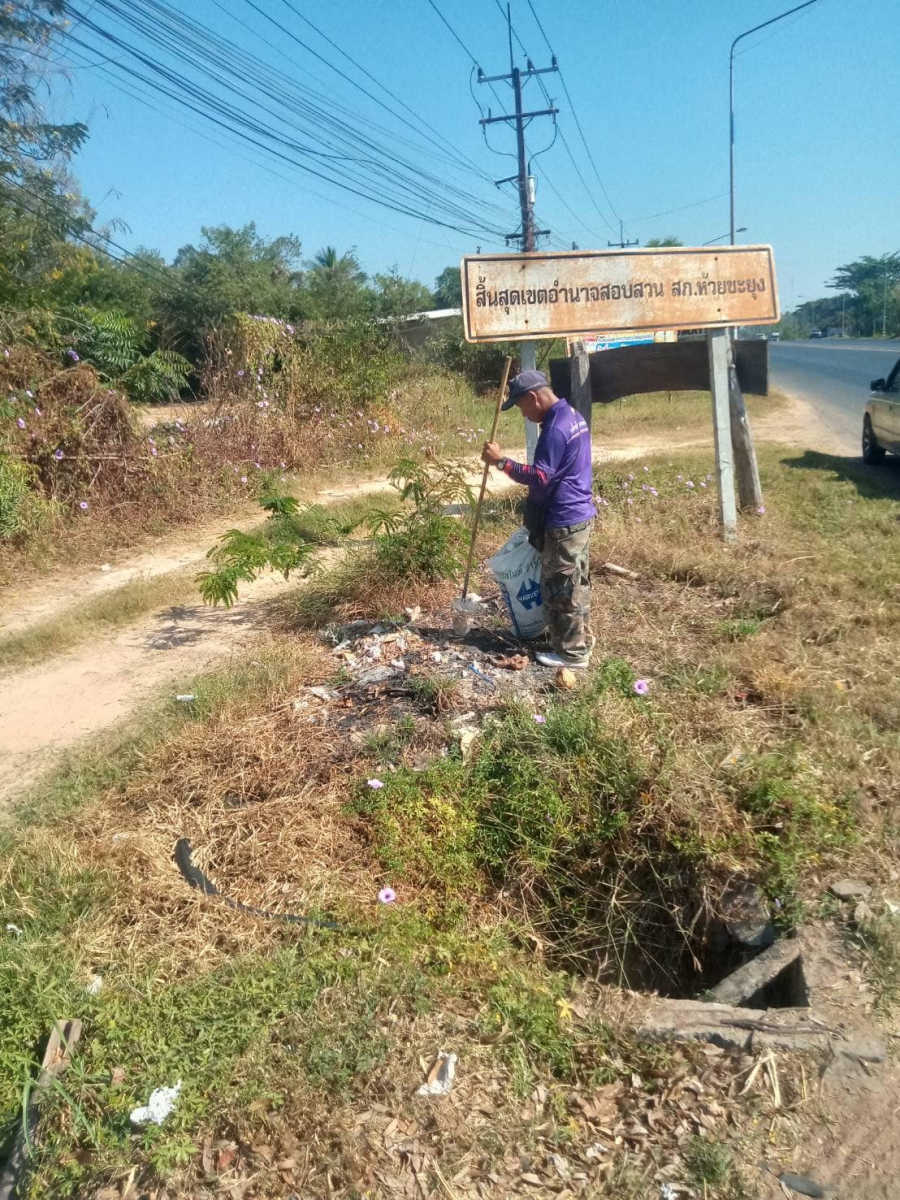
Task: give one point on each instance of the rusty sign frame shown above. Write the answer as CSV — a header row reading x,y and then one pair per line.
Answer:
x,y
660,303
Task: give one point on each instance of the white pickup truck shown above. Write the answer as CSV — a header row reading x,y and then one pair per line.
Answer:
x,y
881,422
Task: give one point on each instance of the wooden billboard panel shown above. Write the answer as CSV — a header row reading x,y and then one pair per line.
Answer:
x,y
510,297
675,367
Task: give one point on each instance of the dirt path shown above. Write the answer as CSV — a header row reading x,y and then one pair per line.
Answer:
x,y
48,708
23,607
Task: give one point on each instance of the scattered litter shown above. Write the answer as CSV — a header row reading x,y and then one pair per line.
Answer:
x,y
14,929
122,837
398,663
440,1077
892,908
731,759
375,675
467,736
624,572
413,613
561,1166
667,1192
374,651
464,718
161,1103
436,656
106,567
464,611
321,693
804,1185
186,698
95,986
481,675
513,662
597,1150
387,896
565,679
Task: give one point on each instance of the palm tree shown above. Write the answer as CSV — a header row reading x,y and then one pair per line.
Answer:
x,y
336,283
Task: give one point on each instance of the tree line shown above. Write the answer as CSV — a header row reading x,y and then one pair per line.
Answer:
x,y
867,303
54,260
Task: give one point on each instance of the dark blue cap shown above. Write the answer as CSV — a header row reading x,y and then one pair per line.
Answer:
x,y
525,381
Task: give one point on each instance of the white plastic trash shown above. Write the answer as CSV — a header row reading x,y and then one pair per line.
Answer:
x,y
517,569
161,1102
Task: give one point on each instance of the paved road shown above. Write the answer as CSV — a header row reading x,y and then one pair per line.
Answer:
x,y
834,375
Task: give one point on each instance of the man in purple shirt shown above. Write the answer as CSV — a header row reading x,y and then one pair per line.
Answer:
x,y
559,514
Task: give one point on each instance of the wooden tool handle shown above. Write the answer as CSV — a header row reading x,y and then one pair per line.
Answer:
x,y
484,478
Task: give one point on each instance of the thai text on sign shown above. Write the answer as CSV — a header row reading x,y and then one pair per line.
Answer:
x,y
514,296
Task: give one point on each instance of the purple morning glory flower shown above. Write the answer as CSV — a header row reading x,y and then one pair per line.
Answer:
x,y
58,455
73,356
20,422
762,510
387,896
375,784
83,505
641,687
690,483
539,719
243,479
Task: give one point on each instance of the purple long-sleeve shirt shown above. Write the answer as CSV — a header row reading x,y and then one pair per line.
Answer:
x,y
560,478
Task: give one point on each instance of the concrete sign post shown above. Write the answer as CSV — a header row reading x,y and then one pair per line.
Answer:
x,y
520,297
717,341
510,297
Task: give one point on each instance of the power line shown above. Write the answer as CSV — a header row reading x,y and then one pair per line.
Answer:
x,y
397,99
136,93
401,181
465,49
130,260
562,136
305,45
682,208
578,126
229,116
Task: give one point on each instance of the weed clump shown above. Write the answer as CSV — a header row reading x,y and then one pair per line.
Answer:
x,y
557,820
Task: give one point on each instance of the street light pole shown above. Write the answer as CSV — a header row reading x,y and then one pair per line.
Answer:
x,y
723,236
739,38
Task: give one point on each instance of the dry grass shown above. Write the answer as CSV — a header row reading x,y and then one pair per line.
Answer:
x,y
768,747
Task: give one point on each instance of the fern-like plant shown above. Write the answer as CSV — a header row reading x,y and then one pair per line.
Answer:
x,y
160,377
110,341
241,557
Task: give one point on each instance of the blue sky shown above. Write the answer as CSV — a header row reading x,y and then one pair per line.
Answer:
x,y
817,97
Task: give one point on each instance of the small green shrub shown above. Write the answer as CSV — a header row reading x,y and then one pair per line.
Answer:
x,y
792,823
241,557
21,510
710,1166
411,545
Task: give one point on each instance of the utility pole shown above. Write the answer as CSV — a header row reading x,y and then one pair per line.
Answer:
x,y
622,243
527,235
884,309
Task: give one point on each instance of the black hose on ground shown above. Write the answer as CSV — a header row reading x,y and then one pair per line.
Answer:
x,y
197,879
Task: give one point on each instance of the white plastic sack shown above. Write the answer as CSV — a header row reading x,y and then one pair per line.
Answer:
x,y
517,569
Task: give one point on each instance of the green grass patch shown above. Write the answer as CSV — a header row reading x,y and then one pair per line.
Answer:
x,y
100,615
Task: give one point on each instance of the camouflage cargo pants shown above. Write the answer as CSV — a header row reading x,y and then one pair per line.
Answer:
x,y
566,589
